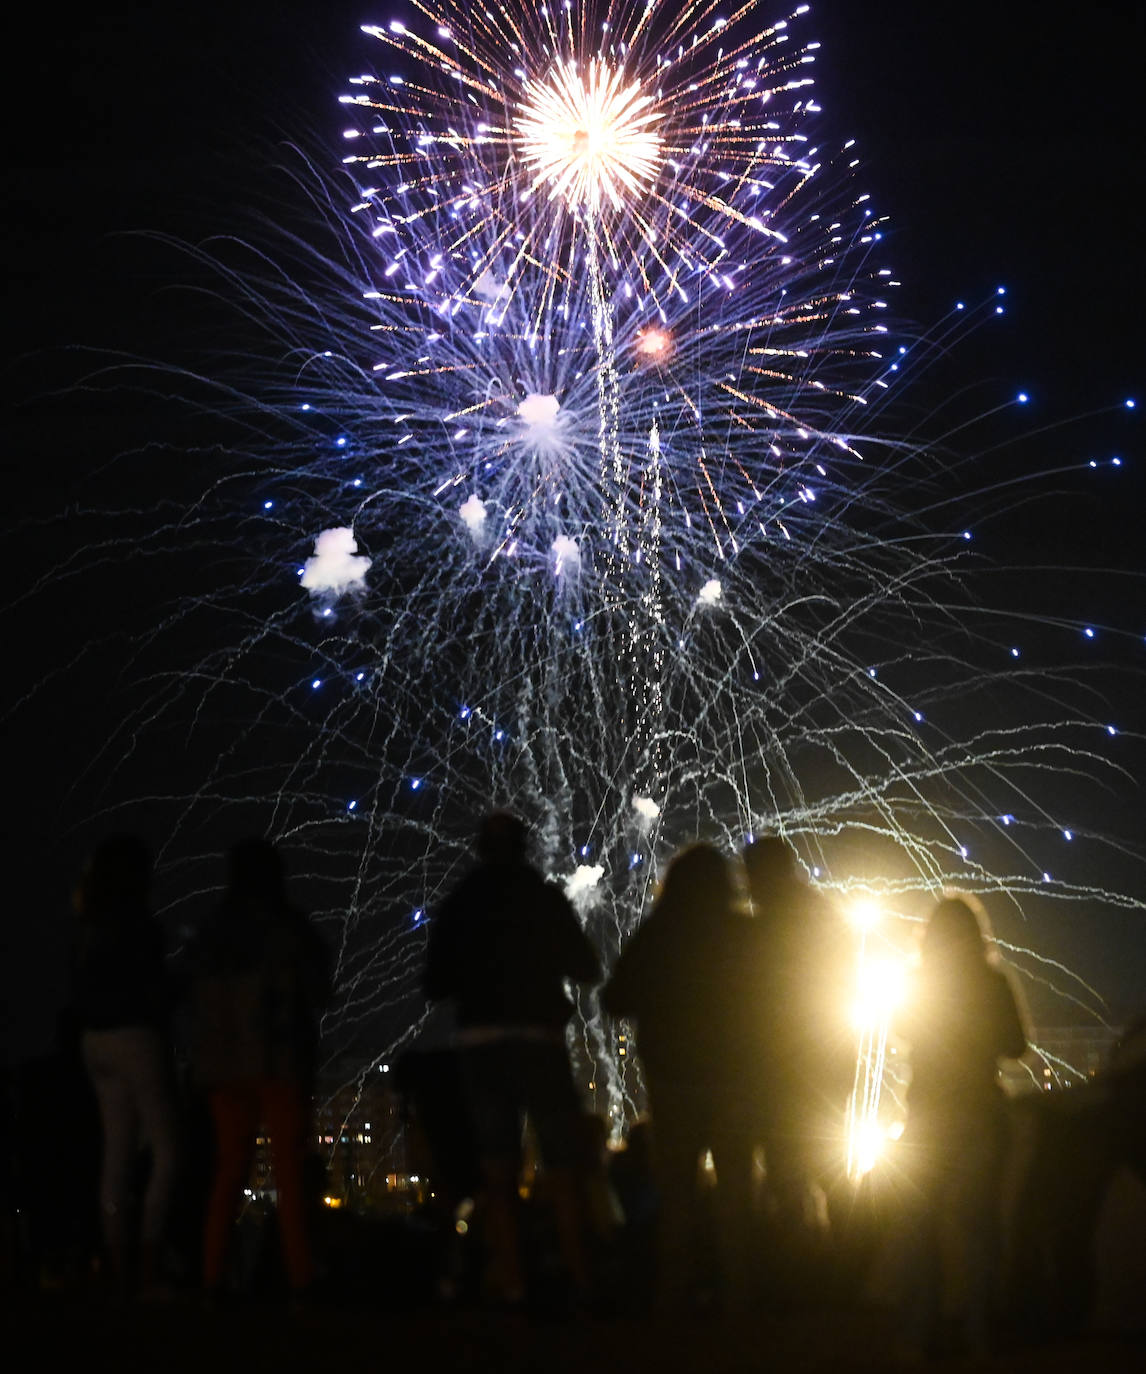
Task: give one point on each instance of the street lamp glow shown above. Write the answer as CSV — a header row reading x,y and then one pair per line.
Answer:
x,y
881,986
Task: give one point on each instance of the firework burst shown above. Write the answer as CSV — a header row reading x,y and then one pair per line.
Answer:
x,y
657,129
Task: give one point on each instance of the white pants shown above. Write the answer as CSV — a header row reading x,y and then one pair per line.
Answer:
x,y
128,1070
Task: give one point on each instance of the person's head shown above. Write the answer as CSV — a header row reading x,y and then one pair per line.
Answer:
x,y
957,933
769,867
698,878
117,878
255,872
639,1144
502,839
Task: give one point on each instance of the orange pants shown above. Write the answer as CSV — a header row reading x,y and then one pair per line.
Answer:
x,y
238,1109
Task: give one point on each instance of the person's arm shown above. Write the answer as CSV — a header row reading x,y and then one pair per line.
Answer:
x,y
579,959
621,994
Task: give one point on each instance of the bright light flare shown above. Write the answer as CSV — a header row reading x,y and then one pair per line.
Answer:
x,y
590,140
864,914
881,987
870,1141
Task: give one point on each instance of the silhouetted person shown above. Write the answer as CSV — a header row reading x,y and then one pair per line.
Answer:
x,y
260,978
687,977
1075,1225
500,949
961,1019
121,1005
808,1051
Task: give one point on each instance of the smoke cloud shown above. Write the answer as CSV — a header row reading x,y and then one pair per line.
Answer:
x,y
566,555
336,566
473,514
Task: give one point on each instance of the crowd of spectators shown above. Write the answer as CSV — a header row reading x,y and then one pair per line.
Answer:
x,y
725,1193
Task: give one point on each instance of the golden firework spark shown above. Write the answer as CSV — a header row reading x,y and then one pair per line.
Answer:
x,y
591,140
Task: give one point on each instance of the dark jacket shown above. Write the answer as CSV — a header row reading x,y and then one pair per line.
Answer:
x,y
502,946
960,1024
119,977
692,982
259,978
804,998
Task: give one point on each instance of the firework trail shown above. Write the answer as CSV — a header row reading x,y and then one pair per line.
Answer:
x,y
561,431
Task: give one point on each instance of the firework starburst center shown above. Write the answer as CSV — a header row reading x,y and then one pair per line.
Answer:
x,y
591,138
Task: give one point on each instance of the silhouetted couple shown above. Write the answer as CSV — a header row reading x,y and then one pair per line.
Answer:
x,y
736,1046
257,981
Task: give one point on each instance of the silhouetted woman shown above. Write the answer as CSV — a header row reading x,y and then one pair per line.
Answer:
x,y
962,1018
686,978
260,979
121,1002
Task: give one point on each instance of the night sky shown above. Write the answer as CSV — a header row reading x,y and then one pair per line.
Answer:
x,y
1006,146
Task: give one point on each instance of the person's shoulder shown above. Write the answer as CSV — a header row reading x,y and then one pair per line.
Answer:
x,y
815,906
473,883
1001,983
655,928
215,935
743,941
462,904
553,892
737,925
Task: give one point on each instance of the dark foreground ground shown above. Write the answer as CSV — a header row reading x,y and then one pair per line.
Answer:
x,y
86,1332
